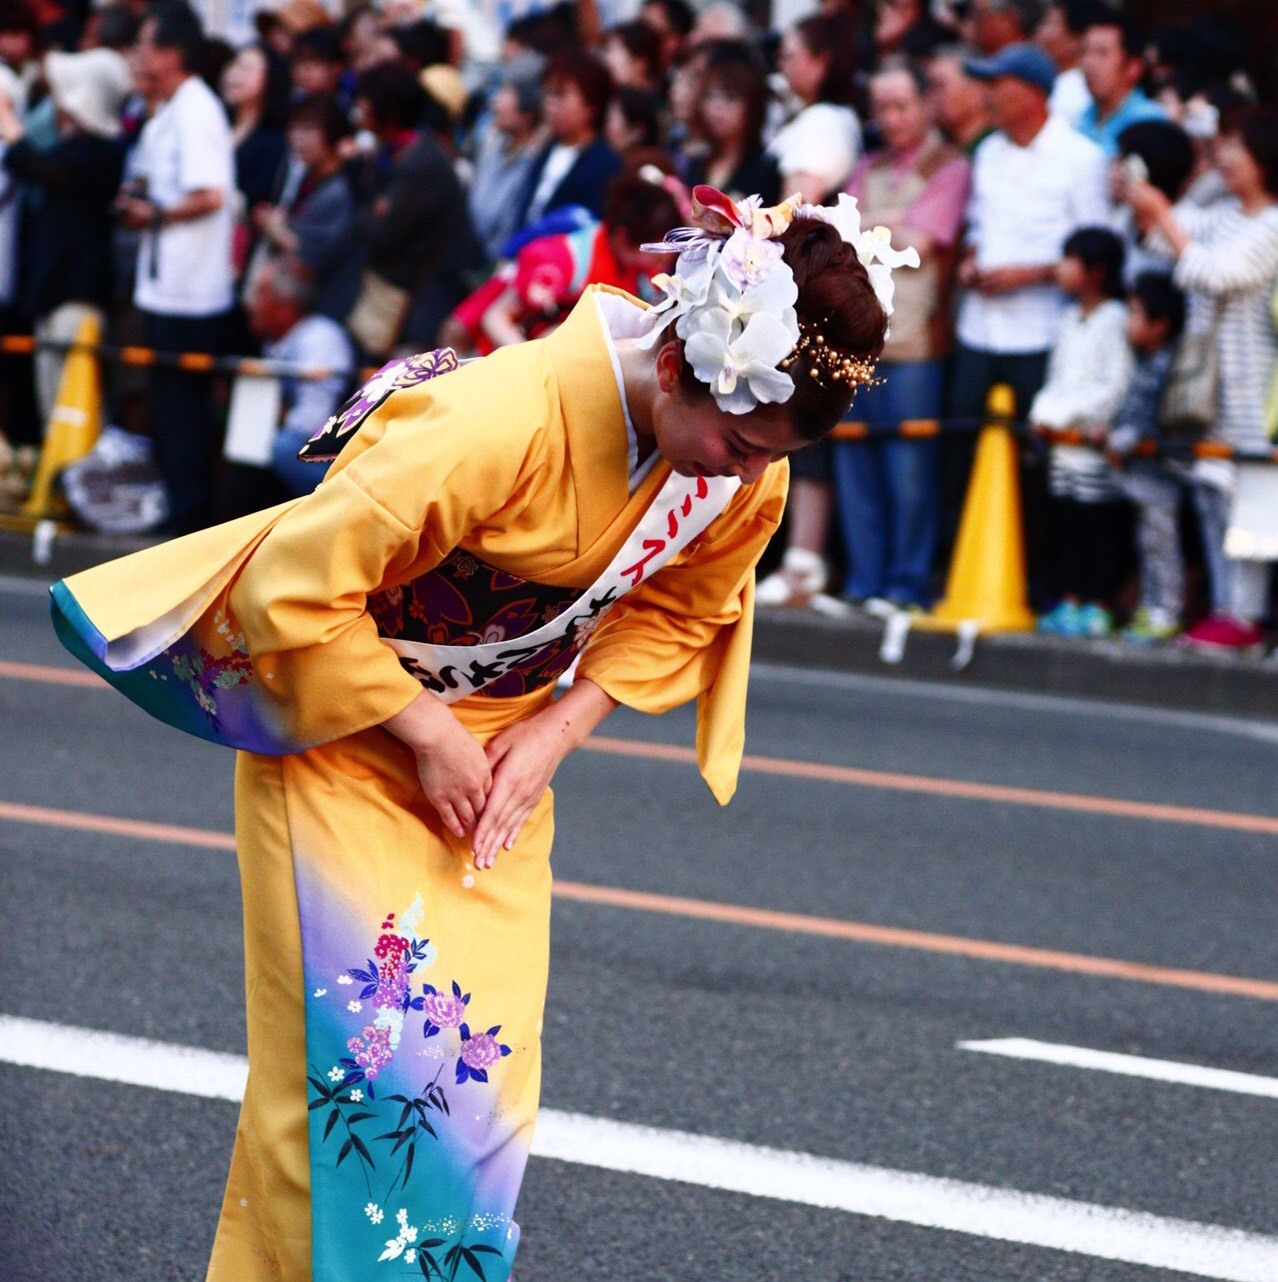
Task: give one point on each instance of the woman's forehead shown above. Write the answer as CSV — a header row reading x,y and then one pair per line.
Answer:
x,y
769,427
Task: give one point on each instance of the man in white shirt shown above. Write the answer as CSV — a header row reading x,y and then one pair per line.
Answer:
x,y
185,278
1035,180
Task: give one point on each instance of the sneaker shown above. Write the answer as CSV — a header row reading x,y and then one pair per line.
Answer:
x,y
878,607
802,575
832,607
1150,627
1064,621
1094,621
1223,632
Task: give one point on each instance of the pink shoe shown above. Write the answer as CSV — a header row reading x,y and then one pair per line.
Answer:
x,y
1223,632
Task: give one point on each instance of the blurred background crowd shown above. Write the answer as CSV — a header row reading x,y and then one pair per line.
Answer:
x,y
1095,203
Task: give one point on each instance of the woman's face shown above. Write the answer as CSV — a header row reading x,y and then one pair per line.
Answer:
x,y
698,439
506,114
565,110
634,263
685,88
723,116
802,69
625,67
1055,37
314,75
361,38
309,144
244,80
619,133
1243,177
893,20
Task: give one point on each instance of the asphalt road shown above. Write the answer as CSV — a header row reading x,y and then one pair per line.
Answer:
x,y
772,1036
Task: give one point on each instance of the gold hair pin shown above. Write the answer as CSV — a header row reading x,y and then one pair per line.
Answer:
x,y
827,362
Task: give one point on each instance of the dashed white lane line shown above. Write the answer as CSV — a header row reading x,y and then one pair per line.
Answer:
x,y
1157,1070
926,1201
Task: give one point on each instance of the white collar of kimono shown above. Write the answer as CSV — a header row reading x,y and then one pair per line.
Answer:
x,y
620,319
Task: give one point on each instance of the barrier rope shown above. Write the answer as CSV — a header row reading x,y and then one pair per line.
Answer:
x,y
193,362
849,430
925,428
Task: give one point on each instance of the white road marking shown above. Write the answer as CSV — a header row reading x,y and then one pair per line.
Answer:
x,y
1156,1070
112,1057
984,696
20,585
1005,1215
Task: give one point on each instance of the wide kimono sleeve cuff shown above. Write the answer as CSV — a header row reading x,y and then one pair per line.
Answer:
x,y
686,633
164,628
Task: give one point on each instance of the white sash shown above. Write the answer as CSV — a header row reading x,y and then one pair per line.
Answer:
x,y
683,507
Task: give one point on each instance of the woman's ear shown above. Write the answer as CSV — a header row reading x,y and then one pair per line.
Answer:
x,y
669,365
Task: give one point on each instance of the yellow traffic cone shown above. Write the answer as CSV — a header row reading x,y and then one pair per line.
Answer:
x,y
986,584
74,424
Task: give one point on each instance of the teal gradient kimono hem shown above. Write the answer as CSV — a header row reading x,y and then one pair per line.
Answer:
x,y
187,685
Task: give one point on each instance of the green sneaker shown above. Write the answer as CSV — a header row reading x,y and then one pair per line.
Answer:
x,y
1150,627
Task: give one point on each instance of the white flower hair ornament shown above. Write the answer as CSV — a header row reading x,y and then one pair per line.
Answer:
x,y
732,295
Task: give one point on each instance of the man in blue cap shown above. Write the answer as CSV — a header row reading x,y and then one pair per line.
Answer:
x,y
1035,180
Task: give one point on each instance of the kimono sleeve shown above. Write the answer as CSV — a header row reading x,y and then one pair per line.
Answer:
x,y
255,634
686,632
421,474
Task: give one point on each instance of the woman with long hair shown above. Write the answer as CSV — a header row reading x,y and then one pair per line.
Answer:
x,y
732,108
255,89
818,147
816,153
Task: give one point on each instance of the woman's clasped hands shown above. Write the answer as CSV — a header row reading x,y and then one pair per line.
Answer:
x,y
490,790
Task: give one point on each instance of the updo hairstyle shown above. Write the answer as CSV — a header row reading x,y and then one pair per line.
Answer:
x,y
837,302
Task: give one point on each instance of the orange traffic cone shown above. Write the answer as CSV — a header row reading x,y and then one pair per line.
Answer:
x,y
986,584
73,426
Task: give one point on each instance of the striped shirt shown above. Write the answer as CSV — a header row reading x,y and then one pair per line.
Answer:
x,y
1232,259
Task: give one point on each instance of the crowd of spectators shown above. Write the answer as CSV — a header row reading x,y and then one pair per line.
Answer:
x,y
1093,204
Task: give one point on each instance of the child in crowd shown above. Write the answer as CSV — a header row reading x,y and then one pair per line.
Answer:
x,y
531,295
1155,317
1087,376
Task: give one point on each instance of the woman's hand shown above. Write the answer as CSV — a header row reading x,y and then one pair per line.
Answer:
x,y
1153,210
451,765
10,124
523,759
272,222
1146,201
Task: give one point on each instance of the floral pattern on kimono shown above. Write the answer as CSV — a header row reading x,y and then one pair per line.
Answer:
x,y
393,1115
327,443
466,601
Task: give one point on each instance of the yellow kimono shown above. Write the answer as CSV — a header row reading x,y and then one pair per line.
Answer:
x,y
395,994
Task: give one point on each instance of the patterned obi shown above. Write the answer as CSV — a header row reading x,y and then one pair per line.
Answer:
x,y
465,601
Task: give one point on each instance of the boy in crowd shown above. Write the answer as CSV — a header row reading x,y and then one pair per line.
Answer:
x,y
1155,317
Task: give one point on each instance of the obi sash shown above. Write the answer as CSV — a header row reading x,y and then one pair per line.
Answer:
x,y
682,509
